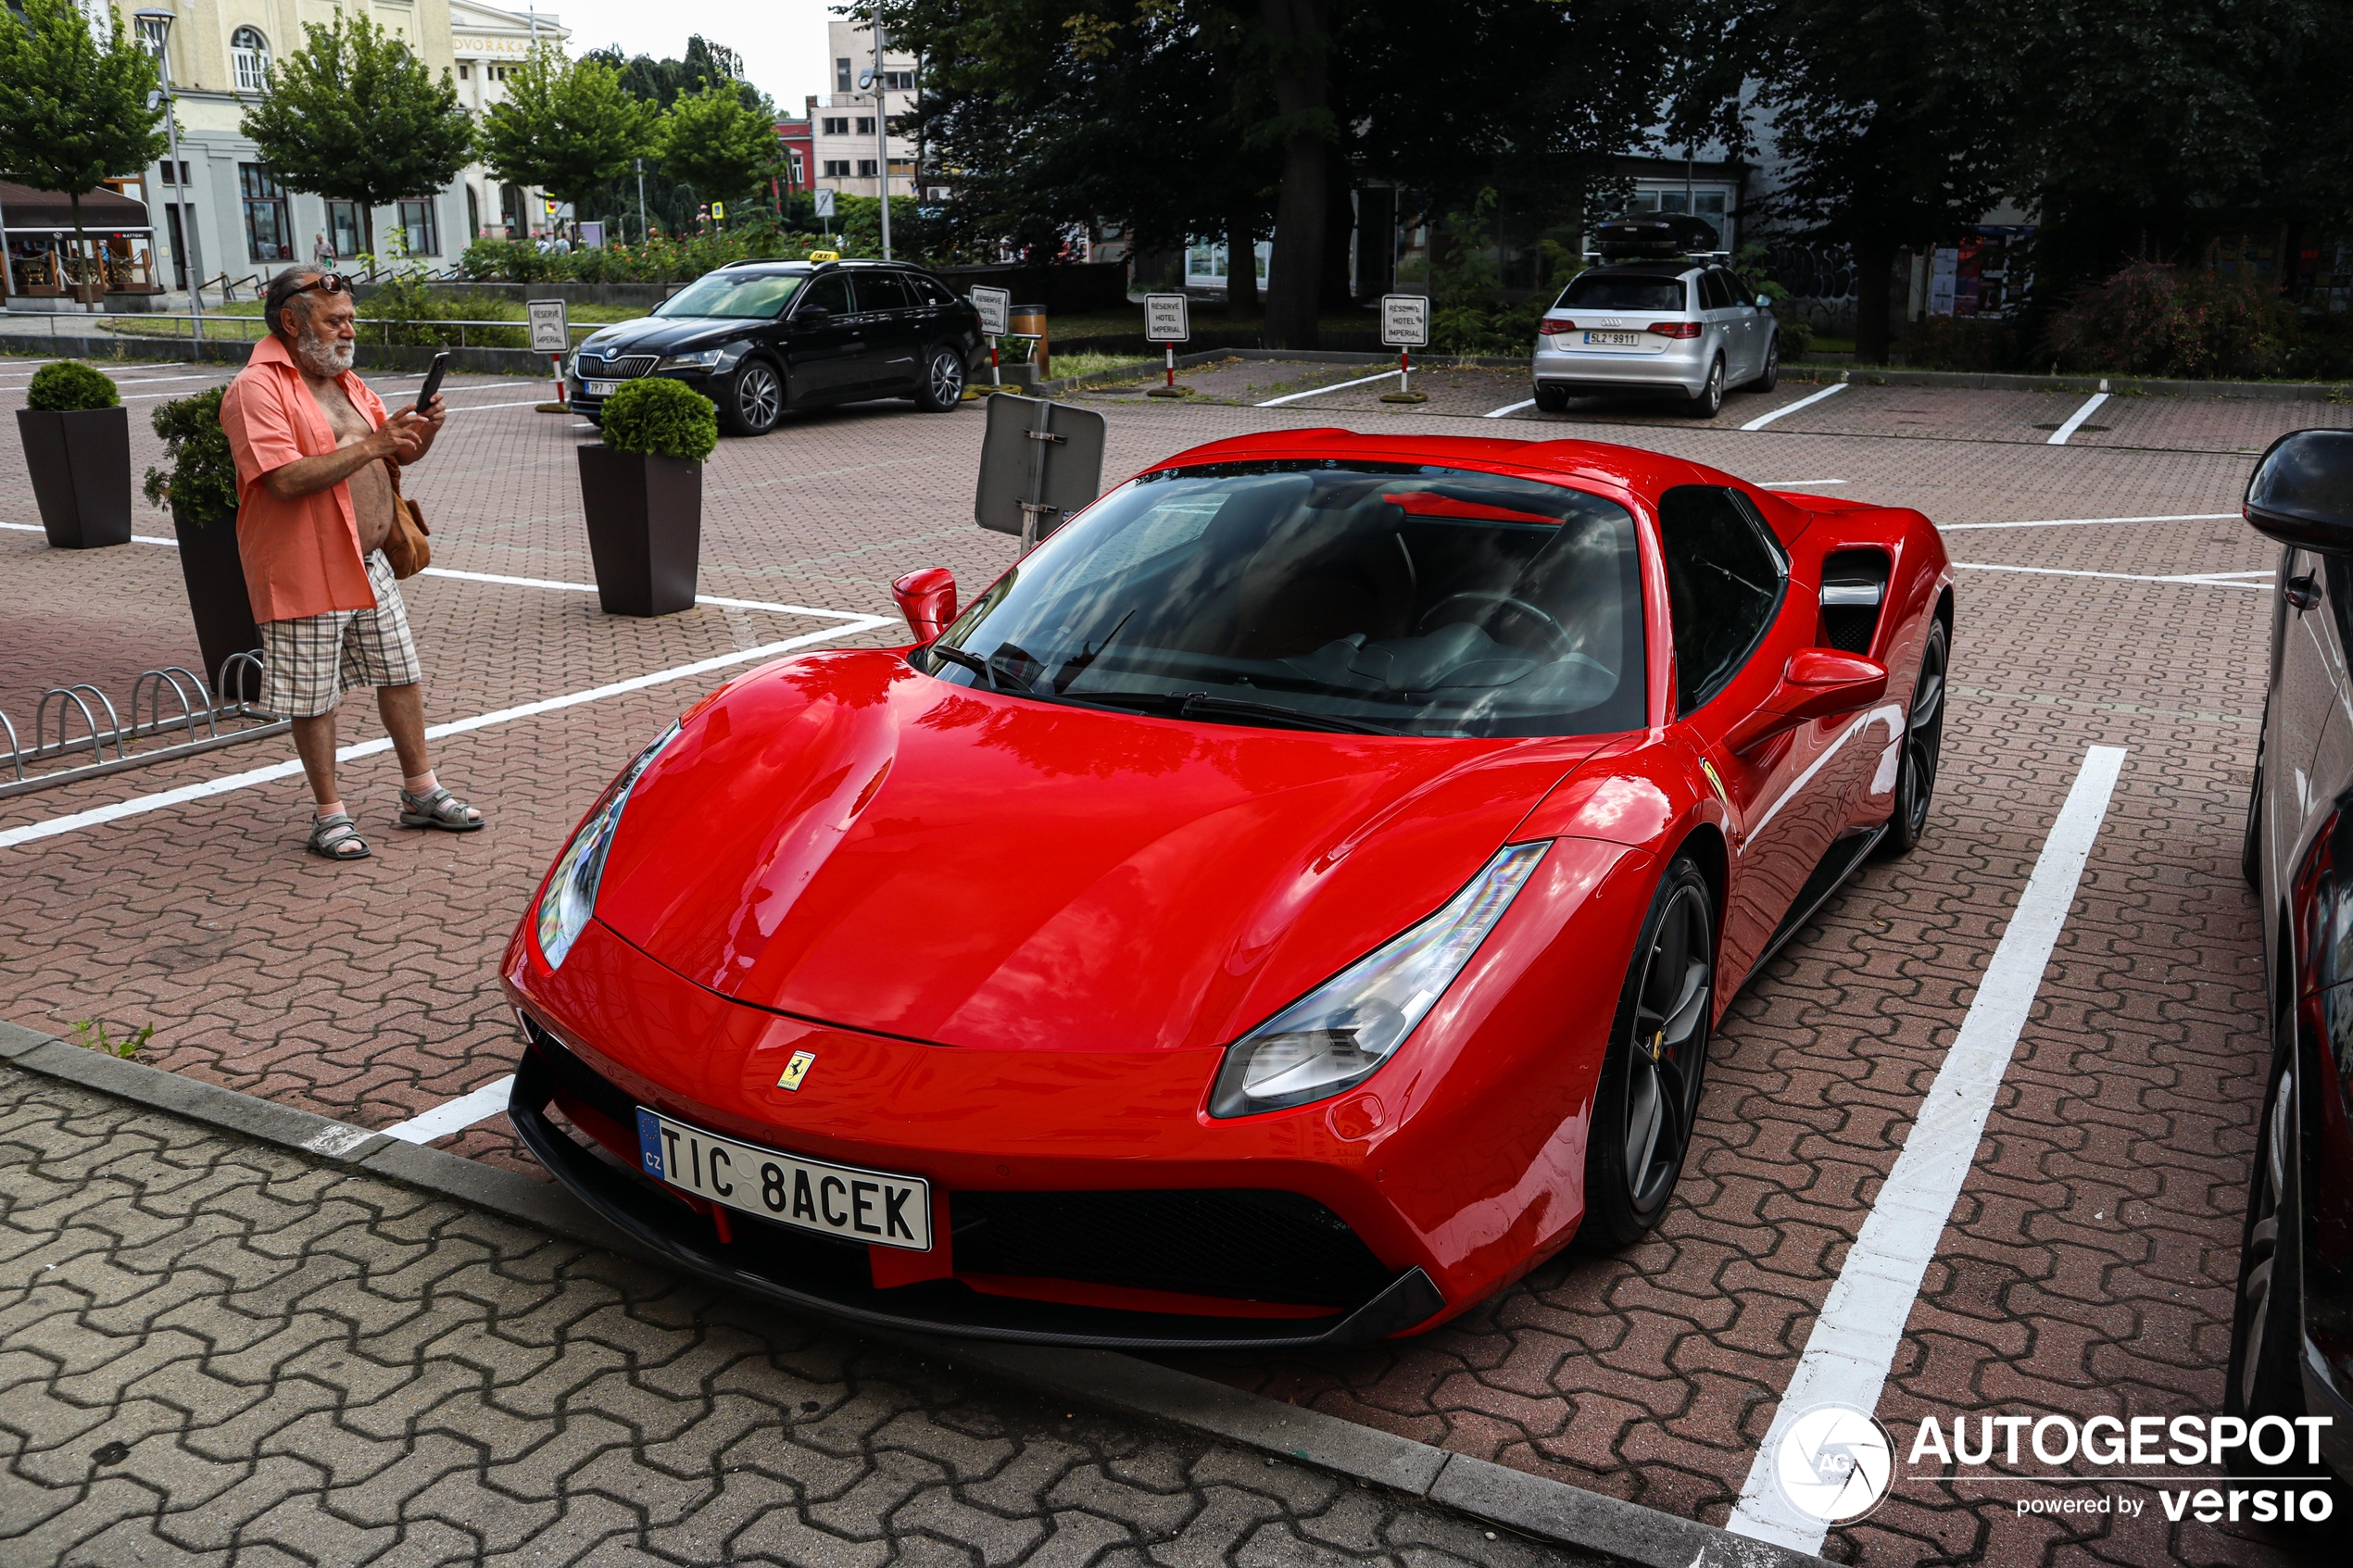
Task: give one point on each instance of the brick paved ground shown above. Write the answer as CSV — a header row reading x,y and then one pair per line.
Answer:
x,y
211,1351
2089,1265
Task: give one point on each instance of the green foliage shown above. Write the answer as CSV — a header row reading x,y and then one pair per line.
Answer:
x,y
1797,336
566,126
201,484
70,384
73,113
2151,320
674,260
409,307
659,83
1468,314
354,116
91,1033
712,140
666,417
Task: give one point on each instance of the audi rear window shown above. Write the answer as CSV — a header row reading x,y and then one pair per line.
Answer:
x,y
1622,290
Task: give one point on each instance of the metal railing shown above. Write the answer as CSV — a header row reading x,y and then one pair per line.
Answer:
x,y
251,328
199,713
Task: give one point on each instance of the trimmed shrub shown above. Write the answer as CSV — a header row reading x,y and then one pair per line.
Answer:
x,y
201,484
68,385
666,417
2152,320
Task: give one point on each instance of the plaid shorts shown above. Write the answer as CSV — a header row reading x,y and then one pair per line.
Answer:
x,y
313,660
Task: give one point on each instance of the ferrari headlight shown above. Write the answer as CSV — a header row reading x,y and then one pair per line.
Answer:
x,y
570,896
1338,1034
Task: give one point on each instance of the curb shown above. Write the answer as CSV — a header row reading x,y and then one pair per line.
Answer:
x,y
226,351
1549,1512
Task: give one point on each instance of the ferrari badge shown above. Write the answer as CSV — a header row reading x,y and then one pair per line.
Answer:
x,y
796,1070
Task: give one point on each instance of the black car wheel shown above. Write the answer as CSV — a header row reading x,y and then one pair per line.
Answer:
x,y
1769,377
1710,399
1649,1093
1552,400
1924,745
2265,1326
943,385
757,401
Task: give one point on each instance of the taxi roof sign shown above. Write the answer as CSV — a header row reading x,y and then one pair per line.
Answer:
x,y
825,255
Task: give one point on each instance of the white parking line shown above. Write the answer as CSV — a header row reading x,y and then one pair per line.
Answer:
x,y
1318,391
1854,1341
2199,578
454,1115
140,805
1506,408
2087,521
2075,420
1763,420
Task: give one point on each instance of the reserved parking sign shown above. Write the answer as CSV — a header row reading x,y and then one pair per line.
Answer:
x,y
1166,318
1405,321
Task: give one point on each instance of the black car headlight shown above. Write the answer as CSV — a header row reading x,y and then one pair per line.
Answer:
x,y
570,896
1338,1034
718,358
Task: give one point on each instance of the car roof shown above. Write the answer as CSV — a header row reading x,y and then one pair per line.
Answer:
x,y
1663,270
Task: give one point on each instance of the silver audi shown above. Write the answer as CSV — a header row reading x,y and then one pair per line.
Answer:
x,y
1678,329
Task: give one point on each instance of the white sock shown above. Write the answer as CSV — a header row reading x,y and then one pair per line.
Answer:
x,y
423,783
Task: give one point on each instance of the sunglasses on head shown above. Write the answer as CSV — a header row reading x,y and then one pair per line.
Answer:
x,y
325,283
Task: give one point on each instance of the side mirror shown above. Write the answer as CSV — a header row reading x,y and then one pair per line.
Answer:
x,y
811,316
1816,684
928,598
1763,303
2302,491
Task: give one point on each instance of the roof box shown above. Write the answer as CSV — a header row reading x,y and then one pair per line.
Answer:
x,y
1654,234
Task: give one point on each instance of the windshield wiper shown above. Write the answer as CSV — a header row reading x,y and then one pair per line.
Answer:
x,y
1188,705
986,669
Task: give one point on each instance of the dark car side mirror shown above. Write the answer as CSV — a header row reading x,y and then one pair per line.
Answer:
x,y
1816,684
811,316
928,598
2302,491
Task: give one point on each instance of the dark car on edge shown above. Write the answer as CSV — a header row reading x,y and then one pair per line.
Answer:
x,y
760,337
2292,1332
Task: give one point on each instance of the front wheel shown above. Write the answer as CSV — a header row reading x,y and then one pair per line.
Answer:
x,y
1552,400
2265,1322
757,402
1709,400
1648,1098
943,383
1924,745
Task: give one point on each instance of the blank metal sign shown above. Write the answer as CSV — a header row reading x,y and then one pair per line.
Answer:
x,y
1037,451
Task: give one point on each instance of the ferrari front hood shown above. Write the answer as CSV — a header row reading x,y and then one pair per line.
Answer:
x,y
845,839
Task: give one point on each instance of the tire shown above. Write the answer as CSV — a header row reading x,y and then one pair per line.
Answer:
x,y
1710,401
943,384
2265,1322
1552,400
2251,840
1923,746
755,402
1648,1096
1771,376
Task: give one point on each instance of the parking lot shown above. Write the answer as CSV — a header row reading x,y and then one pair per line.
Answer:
x,y
2108,596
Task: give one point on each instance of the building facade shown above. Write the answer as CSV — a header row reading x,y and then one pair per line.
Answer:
x,y
243,219
843,142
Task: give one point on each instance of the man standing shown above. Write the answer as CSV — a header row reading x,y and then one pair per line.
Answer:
x,y
322,255
315,504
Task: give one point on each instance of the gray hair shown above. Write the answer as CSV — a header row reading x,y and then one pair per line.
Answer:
x,y
281,294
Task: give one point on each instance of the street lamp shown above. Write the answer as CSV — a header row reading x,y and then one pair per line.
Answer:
x,y
155,25
882,131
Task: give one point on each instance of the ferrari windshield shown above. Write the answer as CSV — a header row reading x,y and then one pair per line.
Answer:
x,y
1369,596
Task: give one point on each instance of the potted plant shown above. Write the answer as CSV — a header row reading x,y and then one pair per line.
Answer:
x,y
77,441
642,492
201,489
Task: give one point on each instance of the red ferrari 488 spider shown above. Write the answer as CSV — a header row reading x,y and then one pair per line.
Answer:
x,y
1282,910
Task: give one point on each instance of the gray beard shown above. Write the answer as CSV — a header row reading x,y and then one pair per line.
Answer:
x,y
331,357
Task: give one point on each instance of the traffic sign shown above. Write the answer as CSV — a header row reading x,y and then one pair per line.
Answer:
x,y
996,307
549,332
1166,318
825,204
719,209
1405,321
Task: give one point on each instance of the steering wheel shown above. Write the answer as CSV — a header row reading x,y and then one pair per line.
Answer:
x,y
1564,644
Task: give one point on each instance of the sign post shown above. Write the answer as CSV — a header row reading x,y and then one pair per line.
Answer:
x,y
1404,326
825,213
1168,320
551,336
1040,461
996,307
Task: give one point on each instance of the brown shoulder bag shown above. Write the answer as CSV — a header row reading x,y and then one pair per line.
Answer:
x,y
407,546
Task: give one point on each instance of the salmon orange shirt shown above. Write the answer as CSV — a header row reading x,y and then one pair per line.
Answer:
x,y
301,557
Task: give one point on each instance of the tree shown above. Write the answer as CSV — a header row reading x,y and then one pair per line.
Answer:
x,y
353,116
711,141
567,125
78,112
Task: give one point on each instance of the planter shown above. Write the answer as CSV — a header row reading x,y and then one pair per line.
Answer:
x,y
645,529
217,597
81,463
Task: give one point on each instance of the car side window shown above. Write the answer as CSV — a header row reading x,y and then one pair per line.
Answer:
x,y
930,291
1712,291
880,291
828,293
1725,575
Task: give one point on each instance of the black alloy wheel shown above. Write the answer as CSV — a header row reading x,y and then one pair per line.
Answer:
x,y
943,385
757,401
2265,1323
1710,401
1648,1098
1552,400
1923,744
1769,377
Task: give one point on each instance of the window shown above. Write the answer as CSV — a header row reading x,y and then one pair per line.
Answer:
x,y
898,80
929,290
344,232
473,214
836,125
1714,294
841,76
865,169
168,175
882,291
736,294
268,232
837,168
1598,290
1724,580
465,71
828,293
249,58
865,125
421,228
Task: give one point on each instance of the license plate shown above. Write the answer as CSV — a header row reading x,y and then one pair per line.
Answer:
x,y
1614,340
601,388
838,1200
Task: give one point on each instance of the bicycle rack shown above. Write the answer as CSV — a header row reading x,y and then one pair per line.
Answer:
x,y
203,718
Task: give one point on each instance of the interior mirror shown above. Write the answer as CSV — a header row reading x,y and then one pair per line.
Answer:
x,y
928,598
1816,684
2302,491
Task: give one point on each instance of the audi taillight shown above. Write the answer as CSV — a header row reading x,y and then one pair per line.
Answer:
x,y
1674,329
1549,327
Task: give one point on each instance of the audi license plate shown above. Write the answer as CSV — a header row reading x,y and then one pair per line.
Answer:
x,y
601,388
1599,340
838,1200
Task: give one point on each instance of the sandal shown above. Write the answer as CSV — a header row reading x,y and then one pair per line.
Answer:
x,y
336,837
439,809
